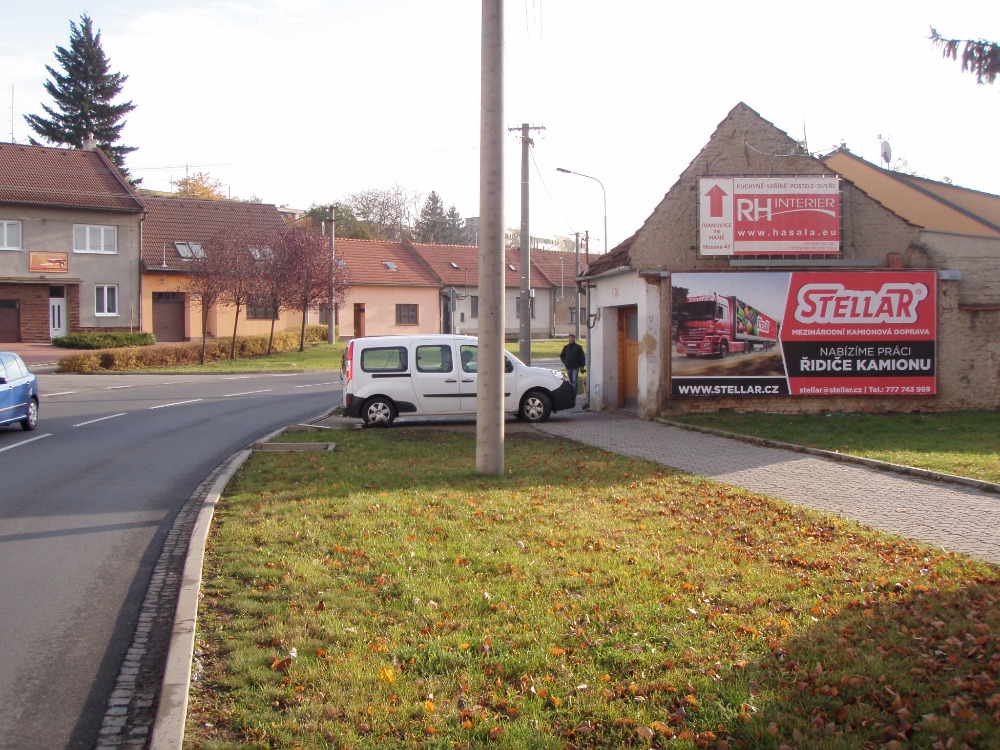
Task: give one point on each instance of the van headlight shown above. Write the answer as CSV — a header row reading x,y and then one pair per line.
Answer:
x,y
560,375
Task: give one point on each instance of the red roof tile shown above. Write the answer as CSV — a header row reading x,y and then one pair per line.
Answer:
x,y
175,219
64,178
366,264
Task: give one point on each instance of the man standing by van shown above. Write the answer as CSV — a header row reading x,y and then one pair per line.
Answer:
x,y
573,359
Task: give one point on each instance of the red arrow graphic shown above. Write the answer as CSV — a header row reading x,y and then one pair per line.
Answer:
x,y
715,195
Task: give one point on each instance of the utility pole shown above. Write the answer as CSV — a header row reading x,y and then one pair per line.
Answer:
x,y
489,401
576,286
331,336
524,313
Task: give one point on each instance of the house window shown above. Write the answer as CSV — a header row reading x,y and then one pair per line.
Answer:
x,y
572,315
406,315
106,299
89,238
263,312
260,253
10,235
474,300
189,250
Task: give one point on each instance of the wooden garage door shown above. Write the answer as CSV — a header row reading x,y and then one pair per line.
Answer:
x,y
168,316
10,320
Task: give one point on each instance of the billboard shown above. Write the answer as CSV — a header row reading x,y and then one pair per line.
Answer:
x,y
769,215
839,333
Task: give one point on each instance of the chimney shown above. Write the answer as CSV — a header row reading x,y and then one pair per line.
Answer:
x,y
89,144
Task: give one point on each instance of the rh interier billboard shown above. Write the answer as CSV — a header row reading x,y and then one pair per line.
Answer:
x,y
804,333
769,215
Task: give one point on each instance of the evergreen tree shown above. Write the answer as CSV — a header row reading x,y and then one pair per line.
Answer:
x,y
431,226
979,57
454,228
83,96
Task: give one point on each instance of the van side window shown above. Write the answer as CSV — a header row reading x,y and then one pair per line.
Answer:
x,y
470,358
434,358
384,359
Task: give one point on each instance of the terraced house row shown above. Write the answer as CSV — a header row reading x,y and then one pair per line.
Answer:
x,y
81,249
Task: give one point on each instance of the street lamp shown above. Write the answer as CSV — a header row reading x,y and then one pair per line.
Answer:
x,y
604,193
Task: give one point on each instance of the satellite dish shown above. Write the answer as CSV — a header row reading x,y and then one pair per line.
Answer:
x,y
886,152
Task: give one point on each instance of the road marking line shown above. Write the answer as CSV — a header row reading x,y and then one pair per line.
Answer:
x,y
177,403
315,385
247,393
25,442
100,419
237,377
61,393
117,387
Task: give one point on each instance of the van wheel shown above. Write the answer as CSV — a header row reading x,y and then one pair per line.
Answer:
x,y
536,407
378,412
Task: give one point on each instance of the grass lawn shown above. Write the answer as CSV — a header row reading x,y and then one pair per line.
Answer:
x,y
963,443
386,596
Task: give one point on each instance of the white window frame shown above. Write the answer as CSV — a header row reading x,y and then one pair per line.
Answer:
x,y
102,298
104,234
5,233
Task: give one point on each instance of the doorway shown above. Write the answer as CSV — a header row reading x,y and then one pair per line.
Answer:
x,y
359,319
10,320
628,357
57,311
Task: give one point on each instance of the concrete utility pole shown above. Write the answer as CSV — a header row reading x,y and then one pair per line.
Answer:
x,y
489,401
524,313
576,286
331,336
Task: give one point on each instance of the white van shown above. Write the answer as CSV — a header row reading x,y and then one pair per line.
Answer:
x,y
435,375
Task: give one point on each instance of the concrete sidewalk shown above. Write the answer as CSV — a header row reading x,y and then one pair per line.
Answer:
x,y
937,511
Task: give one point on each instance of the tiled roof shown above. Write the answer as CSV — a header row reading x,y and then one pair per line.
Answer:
x,y
458,265
378,263
619,257
174,219
64,178
557,266
932,205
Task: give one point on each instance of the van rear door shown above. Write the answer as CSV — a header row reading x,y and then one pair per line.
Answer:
x,y
436,378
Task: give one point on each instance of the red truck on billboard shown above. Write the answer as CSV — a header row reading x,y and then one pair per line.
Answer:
x,y
717,324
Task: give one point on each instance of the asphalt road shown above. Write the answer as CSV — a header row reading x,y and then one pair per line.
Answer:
x,y
86,501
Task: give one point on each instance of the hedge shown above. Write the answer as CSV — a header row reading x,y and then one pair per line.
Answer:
x,y
168,355
104,339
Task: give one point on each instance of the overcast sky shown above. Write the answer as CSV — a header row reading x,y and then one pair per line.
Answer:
x,y
305,101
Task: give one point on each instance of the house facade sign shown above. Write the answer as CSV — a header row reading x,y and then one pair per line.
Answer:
x,y
769,215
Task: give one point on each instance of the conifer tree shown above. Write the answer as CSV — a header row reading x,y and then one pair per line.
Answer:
x,y
431,226
83,95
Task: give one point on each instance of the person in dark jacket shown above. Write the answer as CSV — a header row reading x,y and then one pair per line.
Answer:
x,y
574,359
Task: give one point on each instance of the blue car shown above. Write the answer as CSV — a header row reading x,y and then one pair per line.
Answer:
x,y
18,392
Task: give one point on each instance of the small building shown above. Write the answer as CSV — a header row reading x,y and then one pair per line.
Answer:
x,y
770,280
69,244
173,234
390,290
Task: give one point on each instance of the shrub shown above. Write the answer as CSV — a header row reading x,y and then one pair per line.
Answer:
x,y
104,339
124,359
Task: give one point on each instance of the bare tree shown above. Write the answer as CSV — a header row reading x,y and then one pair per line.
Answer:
x,y
305,264
240,281
207,283
389,212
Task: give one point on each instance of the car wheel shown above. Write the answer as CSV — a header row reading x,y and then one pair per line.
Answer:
x,y
378,412
30,422
536,407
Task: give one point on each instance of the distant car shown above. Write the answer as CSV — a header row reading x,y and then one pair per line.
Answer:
x,y
18,392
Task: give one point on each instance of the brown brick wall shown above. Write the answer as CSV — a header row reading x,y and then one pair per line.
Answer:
x,y
34,313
